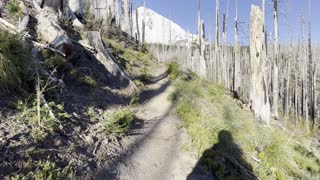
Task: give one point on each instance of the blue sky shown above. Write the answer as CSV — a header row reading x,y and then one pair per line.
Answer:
x,y
184,13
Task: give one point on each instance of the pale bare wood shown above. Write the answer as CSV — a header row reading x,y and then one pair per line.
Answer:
x,y
9,25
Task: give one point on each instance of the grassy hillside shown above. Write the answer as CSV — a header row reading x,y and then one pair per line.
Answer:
x,y
232,145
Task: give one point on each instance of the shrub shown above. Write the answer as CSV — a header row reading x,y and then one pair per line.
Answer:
x,y
173,70
90,112
118,122
14,8
139,84
145,76
88,81
51,115
53,61
49,170
15,63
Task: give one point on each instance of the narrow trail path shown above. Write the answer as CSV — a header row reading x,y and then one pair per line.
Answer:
x,y
156,151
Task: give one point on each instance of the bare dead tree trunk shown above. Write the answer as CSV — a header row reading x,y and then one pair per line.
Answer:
x,y
202,64
126,24
131,19
209,66
287,82
116,12
137,24
237,69
217,25
217,58
258,91
296,86
304,85
275,82
199,25
226,54
312,72
163,48
224,59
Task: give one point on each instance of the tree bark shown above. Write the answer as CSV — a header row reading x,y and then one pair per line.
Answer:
x,y
237,69
126,24
258,91
275,82
216,52
137,26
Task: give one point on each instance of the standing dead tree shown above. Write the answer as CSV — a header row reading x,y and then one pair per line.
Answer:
x,y
258,91
216,50
237,76
275,78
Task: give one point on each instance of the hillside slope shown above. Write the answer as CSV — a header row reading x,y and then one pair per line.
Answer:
x,y
232,145
67,103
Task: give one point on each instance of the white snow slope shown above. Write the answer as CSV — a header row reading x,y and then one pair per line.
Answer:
x,y
159,29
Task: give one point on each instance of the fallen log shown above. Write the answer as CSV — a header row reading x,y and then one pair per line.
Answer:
x,y
8,26
39,45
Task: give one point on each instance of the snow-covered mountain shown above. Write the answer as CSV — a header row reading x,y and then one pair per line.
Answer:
x,y
159,29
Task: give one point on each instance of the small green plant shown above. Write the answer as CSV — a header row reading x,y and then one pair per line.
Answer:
x,y
43,117
15,63
14,8
72,147
72,74
54,62
173,70
139,84
118,122
88,81
49,170
91,113
144,74
134,99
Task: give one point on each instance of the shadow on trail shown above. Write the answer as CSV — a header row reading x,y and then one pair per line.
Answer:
x,y
147,95
224,160
110,170
157,79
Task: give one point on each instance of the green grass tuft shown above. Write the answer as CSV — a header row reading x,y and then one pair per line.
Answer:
x,y
15,63
48,170
89,81
14,8
118,122
173,70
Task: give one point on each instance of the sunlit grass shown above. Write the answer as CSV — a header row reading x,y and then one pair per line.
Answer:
x,y
257,151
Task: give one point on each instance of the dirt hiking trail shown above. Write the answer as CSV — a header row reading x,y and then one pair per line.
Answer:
x,y
156,151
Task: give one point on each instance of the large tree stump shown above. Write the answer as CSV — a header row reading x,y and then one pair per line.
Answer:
x,y
49,30
95,40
